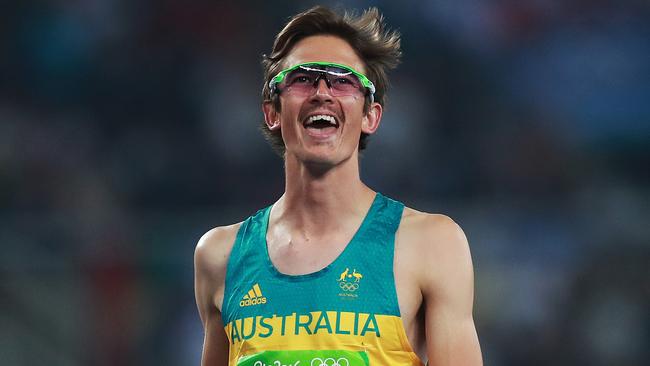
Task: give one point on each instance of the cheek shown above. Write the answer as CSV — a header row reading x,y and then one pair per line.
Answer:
x,y
355,113
288,113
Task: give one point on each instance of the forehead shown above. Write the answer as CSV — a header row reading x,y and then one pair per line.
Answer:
x,y
324,48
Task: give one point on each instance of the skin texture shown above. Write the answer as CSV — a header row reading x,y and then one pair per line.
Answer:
x,y
324,204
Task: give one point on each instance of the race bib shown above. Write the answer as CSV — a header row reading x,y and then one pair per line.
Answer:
x,y
305,358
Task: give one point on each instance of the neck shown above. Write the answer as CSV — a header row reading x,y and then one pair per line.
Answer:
x,y
319,198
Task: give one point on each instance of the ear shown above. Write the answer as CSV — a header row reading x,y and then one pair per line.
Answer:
x,y
271,116
370,122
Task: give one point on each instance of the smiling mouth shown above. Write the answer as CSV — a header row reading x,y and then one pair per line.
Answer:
x,y
321,121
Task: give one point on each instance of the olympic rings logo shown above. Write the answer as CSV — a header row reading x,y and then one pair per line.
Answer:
x,y
329,362
347,286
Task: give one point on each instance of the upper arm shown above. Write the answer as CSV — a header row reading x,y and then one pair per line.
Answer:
x,y
215,342
210,261
448,292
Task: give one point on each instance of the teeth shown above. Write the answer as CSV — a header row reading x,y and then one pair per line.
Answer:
x,y
324,117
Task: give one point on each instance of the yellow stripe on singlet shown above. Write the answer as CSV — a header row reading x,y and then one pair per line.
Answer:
x,y
381,336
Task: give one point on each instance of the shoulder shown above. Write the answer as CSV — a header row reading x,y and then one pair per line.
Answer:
x,y
213,250
210,262
438,247
431,229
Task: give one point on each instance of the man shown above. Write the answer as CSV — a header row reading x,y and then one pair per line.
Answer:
x,y
333,273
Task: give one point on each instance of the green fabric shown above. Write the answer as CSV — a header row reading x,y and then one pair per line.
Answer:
x,y
359,280
306,358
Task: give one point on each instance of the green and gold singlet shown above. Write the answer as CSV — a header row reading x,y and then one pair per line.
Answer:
x,y
346,314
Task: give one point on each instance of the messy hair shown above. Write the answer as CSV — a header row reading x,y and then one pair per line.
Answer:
x,y
377,47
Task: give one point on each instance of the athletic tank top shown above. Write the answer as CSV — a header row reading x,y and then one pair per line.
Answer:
x,y
346,314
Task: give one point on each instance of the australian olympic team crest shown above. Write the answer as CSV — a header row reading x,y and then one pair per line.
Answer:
x,y
349,282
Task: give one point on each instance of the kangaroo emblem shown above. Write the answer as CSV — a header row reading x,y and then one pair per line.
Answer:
x,y
357,276
344,274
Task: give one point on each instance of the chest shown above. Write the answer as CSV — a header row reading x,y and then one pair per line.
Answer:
x,y
303,257
306,257
280,277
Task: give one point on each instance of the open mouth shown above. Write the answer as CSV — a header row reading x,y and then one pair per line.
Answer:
x,y
321,121
321,125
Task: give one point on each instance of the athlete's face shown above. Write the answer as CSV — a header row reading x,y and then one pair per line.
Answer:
x,y
323,143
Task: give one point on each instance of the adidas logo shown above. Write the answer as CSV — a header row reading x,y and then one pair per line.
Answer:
x,y
253,297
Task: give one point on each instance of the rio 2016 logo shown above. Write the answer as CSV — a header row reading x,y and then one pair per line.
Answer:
x,y
317,361
275,363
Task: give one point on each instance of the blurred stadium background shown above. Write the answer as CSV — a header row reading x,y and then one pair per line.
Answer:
x,y
129,128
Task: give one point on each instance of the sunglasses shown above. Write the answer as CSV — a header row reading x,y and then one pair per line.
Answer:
x,y
302,79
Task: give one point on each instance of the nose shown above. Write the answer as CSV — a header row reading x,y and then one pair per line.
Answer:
x,y
322,90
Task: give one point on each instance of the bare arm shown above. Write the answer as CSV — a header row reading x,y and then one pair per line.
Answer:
x,y
210,261
448,291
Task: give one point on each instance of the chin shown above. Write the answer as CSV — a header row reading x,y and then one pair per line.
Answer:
x,y
318,158
324,157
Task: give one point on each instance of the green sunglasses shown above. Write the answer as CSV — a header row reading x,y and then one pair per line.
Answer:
x,y
303,78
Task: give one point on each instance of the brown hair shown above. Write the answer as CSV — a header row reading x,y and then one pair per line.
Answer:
x,y
377,47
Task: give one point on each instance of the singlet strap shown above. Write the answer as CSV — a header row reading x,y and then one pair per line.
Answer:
x,y
244,258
